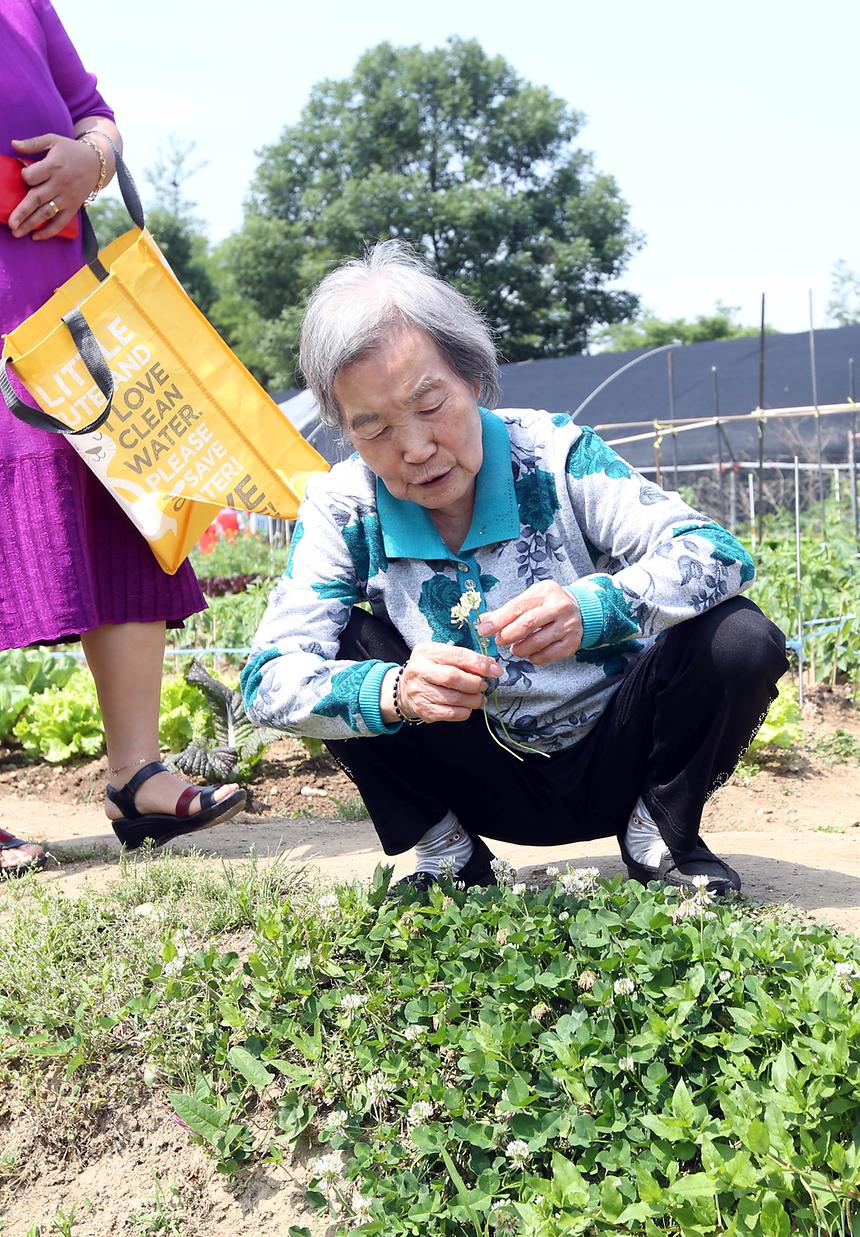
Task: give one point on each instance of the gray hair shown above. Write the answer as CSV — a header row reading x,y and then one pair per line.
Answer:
x,y
360,305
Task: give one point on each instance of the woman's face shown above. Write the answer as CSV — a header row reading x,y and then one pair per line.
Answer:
x,y
414,422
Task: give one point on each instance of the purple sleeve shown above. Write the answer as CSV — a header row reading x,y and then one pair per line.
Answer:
x,y
78,88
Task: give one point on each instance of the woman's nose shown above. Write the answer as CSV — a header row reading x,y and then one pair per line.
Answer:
x,y
417,445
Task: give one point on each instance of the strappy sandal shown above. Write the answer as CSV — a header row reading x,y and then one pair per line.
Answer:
x,y
8,841
134,827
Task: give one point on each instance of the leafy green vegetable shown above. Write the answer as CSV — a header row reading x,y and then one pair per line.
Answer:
x,y
184,715
63,722
13,700
36,671
781,728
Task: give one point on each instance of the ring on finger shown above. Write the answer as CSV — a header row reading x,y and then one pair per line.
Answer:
x,y
53,207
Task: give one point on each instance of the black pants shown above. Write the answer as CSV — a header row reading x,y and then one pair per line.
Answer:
x,y
673,732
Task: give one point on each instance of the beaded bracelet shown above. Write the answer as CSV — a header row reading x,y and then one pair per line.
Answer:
x,y
102,164
401,716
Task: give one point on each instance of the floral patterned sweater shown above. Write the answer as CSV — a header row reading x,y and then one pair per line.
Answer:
x,y
552,501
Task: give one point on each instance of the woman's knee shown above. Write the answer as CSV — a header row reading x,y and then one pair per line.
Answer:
x,y
745,644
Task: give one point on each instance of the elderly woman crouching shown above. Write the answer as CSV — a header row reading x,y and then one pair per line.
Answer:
x,y
571,634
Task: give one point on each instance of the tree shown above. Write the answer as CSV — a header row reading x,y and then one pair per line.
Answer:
x,y
843,308
171,218
652,332
452,151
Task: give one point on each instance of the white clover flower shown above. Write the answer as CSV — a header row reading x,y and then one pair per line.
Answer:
x,y
627,1064
448,868
328,1168
301,962
177,962
414,1032
469,602
685,909
552,870
336,1121
564,916
329,905
847,970
353,1000
503,871
378,1087
518,889
361,1209
502,936
725,976
586,980
580,880
503,1220
517,1152
624,987
420,1112
735,927
539,1012
700,882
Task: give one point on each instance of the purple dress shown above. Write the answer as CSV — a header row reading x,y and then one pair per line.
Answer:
x,y
70,560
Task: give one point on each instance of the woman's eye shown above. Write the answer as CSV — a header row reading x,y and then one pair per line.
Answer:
x,y
426,412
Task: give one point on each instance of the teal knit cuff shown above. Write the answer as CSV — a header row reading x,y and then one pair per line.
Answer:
x,y
369,698
592,613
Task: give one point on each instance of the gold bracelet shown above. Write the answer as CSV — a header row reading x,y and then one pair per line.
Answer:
x,y
102,165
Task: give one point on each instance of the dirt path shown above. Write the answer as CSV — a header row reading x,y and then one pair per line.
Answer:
x,y
792,836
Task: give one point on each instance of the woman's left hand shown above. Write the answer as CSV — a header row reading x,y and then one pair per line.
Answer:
x,y
64,179
543,624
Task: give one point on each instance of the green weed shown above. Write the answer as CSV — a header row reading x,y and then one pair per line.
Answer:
x,y
352,808
840,747
161,1214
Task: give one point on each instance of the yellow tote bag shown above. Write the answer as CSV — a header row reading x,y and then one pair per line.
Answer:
x,y
122,361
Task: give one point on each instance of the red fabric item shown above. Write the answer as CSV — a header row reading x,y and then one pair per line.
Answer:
x,y
13,187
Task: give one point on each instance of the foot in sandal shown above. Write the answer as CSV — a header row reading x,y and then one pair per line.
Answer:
x,y
155,806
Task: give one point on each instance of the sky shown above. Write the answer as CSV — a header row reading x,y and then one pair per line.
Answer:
x,y
730,128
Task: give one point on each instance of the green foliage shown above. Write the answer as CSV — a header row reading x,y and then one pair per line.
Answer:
x,y
781,728
13,701
830,590
171,219
184,714
838,748
465,1055
245,554
843,308
451,150
351,809
230,621
63,723
649,331
36,671
162,1213
236,745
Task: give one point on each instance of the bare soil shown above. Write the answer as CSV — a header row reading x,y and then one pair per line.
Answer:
x,y
792,830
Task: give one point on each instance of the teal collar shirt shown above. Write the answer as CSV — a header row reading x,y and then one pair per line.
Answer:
x,y
552,502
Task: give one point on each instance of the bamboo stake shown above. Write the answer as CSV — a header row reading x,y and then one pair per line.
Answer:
x,y
814,373
799,584
722,479
671,378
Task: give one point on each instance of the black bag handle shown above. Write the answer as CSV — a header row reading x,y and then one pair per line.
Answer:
x,y
79,329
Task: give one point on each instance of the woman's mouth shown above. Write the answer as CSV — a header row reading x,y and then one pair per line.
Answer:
x,y
432,481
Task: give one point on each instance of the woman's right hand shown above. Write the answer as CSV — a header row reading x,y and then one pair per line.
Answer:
x,y
441,683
